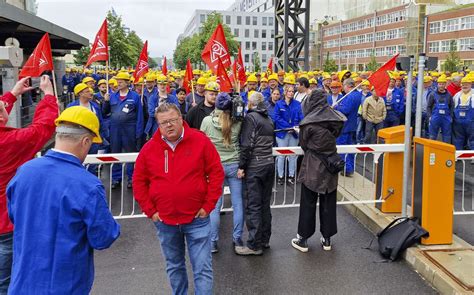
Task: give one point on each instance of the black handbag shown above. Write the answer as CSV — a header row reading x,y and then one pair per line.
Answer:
x,y
333,163
400,234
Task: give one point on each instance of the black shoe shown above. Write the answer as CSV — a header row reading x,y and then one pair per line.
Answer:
x,y
280,181
291,180
214,248
326,243
300,244
115,184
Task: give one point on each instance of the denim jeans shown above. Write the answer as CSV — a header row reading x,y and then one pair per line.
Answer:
x,y
369,127
287,141
6,258
360,133
197,236
235,185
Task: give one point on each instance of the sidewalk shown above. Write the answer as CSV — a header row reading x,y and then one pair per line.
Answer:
x,y
448,268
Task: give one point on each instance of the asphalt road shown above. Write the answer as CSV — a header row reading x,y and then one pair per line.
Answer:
x,y
134,265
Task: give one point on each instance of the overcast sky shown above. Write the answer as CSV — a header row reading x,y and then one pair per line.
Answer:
x,y
160,21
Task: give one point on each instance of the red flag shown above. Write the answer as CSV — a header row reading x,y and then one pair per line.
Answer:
x,y
270,66
222,78
188,77
216,48
100,48
40,60
239,69
380,78
142,65
164,68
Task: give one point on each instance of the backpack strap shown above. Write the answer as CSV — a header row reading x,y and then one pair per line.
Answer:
x,y
390,225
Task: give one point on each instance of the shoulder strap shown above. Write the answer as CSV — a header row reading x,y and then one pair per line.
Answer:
x,y
390,225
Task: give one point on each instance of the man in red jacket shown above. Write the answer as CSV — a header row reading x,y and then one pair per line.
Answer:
x,y
16,147
177,182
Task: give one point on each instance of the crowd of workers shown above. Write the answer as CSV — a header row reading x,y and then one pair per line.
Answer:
x,y
52,226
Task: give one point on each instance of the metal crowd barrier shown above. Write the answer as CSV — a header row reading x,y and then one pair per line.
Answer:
x,y
122,204
464,183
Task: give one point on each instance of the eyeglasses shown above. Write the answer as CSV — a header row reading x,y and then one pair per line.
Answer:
x,y
169,122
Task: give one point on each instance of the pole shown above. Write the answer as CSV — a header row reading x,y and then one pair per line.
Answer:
x,y
340,99
192,91
107,74
407,152
54,85
143,88
419,95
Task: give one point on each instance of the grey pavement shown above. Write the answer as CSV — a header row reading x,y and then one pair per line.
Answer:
x,y
134,265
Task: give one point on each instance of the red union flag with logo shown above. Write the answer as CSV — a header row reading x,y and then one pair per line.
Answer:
x,y
188,77
222,78
239,69
40,60
142,65
100,48
215,49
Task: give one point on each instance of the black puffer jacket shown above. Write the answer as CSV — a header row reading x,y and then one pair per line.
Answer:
x,y
256,139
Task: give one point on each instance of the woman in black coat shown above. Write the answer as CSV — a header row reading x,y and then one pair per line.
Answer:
x,y
318,132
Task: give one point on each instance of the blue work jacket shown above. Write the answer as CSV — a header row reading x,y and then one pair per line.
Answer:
x,y
126,112
349,107
287,116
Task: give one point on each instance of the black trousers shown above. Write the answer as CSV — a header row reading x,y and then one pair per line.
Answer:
x,y
327,213
258,186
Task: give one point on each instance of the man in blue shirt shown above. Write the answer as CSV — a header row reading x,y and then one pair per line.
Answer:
x,y
59,213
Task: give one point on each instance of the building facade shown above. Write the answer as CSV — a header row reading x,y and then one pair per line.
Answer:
x,y
254,31
354,42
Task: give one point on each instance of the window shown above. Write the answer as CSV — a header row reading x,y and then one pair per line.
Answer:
x,y
247,20
344,54
435,27
336,55
391,34
467,23
236,32
433,47
273,34
390,50
247,33
361,24
344,41
254,21
239,20
264,21
202,18
255,34
380,36
381,20
264,33
227,19
466,44
447,44
247,45
361,39
379,51
264,45
370,23
450,25
368,52
369,37
270,46
246,58
352,40
402,49
264,58
270,21
254,45
360,53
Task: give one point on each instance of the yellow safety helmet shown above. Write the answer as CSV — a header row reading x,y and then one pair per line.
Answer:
x,y
264,80
201,81
273,77
83,117
252,78
123,76
442,79
161,79
150,77
68,70
88,79
427,79
313,81
212,86
289,80
101,81
466,79
196,72
326,76
79,87
140,81
113,82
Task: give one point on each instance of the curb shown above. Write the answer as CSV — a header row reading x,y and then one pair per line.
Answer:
x,y
375,221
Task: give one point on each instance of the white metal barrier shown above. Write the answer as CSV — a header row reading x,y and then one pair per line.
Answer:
x,y
123,205
465,175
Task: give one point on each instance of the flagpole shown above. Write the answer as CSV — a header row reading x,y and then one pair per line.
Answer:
x,y
192,91
143,89
340,99
54,84
107,74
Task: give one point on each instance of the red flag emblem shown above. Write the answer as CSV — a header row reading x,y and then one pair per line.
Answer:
x,y
142,65
40,60
100,50
215,49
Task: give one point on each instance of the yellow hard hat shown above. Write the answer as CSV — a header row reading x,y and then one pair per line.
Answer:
x,y
313,81
79,87
150,77
171,79
83,117
196,72
212,86
140,81
68,70
123,76
289,80
88,79
101,81
466,79
273,77
161,79
442,79
263,79
252,78
113,82
201,81
365,83
326,76
427,79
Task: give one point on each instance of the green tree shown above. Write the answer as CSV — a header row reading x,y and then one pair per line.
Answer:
x,y
372,65
329,64
81,55
257,65
152,64
453,62
191,47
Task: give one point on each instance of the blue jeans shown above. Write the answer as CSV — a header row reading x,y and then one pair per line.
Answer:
x,y
197,235
6,257
235,185
347,139
360,133
287,141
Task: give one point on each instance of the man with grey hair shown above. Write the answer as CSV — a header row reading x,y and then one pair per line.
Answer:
x,y
349,106
257,168
60,213
455,85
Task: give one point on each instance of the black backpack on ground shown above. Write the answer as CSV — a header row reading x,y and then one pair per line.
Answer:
x,y
400,234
